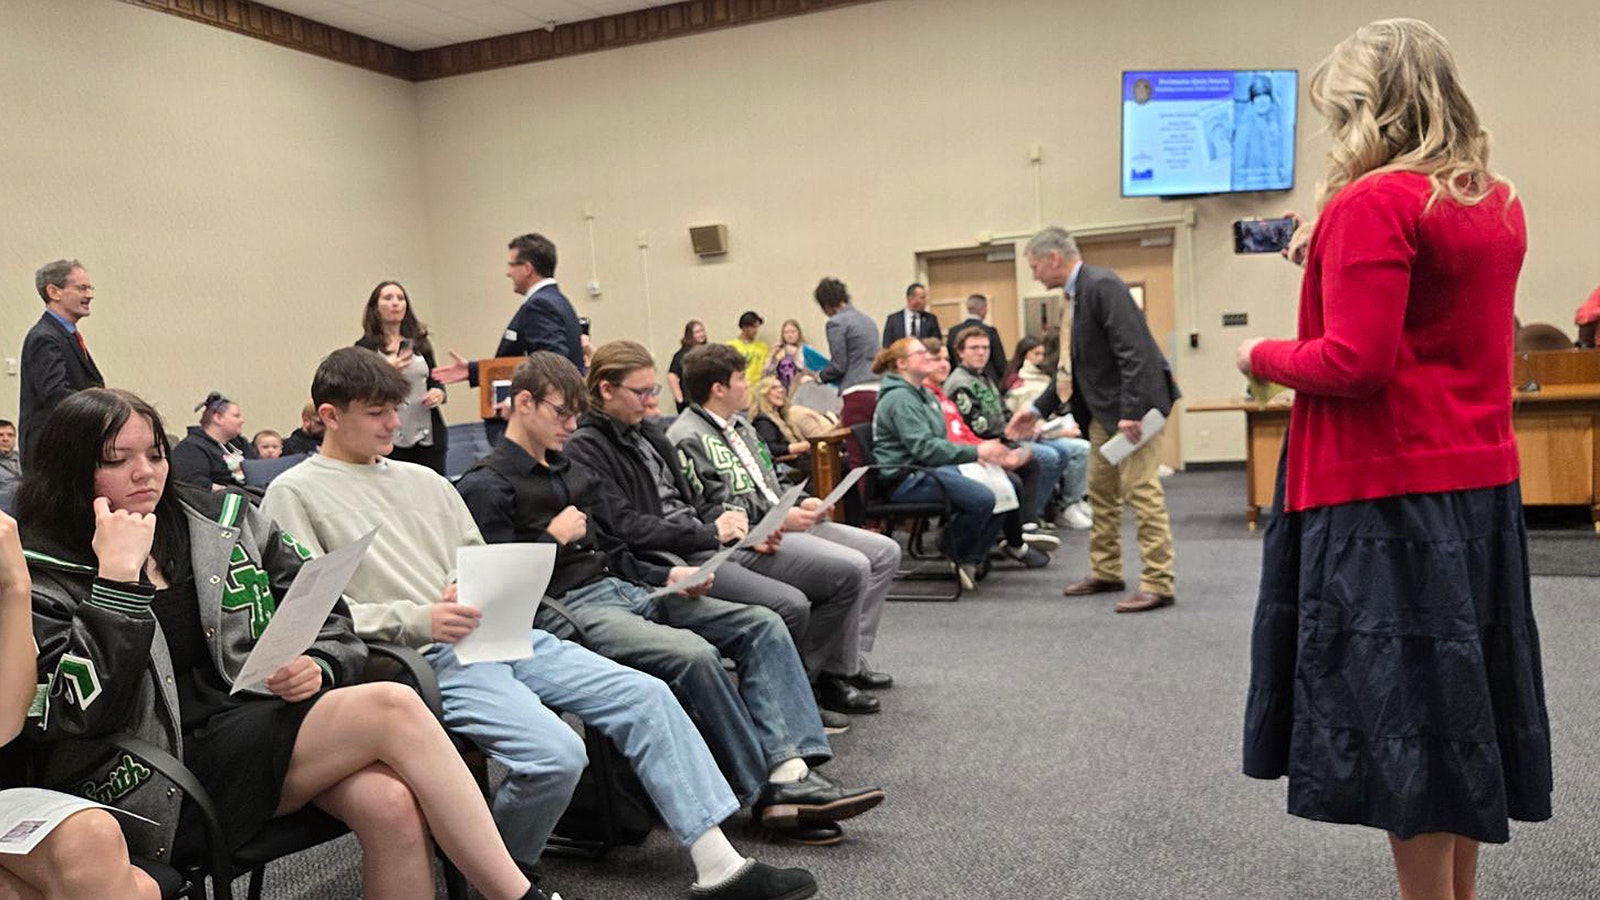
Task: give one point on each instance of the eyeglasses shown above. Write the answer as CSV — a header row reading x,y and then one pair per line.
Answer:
x,y
648,393
561,412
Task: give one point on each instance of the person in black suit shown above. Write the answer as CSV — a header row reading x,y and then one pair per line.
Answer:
x,y
55,358
977,311
913,321
1118,374
545,321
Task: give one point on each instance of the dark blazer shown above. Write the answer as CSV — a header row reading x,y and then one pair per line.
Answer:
x,y
996,369
544,321
52,369
894,327
1118,371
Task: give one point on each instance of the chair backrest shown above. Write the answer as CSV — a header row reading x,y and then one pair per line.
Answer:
x,y
260,472
870,484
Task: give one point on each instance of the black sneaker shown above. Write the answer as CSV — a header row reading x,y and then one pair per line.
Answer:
x,y
759,881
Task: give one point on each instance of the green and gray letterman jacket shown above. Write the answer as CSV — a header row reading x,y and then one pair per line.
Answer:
x,y
712,468
978,400
105,668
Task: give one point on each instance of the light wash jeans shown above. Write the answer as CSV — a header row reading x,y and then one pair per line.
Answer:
x,y
500,707
1074,453
769,718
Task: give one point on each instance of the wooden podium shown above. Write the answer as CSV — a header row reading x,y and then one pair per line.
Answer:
x,y
489,371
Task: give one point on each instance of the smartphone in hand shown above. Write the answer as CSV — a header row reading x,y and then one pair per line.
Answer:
x,y
1262,235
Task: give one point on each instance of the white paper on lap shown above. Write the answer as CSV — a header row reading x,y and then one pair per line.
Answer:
x,y
28,815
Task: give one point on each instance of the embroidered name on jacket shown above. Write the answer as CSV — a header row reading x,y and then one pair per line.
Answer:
x,y
126,775
249,589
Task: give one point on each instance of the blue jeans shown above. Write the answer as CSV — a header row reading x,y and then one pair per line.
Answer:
x,y
500,708
1050,465
769,718
1074,453
973,527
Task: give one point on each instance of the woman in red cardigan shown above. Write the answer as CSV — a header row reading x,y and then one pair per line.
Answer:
x,y
1395,660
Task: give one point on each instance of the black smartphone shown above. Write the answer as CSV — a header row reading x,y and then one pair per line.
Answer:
x,y
405,345
1262,235
583,324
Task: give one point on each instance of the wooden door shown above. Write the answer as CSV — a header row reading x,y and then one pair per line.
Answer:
x,y
954,278
1145,261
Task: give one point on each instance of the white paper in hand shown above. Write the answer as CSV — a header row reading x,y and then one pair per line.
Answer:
x,y
28,815
1120,448
301,612
506,581
849,481
773,520
697,577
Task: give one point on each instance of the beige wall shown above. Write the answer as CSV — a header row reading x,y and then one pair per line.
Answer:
x,y
845,142
236,201
233,201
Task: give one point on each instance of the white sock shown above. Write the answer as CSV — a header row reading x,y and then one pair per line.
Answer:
x,y
715,860
790,770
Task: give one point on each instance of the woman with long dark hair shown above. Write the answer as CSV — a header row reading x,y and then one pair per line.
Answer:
x,y
147,598
389,326
694,334
1395,674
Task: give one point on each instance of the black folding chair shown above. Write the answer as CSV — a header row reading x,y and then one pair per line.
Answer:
x,y
876,503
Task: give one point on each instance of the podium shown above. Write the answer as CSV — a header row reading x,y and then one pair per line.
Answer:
x,y
500,368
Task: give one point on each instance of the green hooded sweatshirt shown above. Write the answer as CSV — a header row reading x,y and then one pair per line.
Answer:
x,y
908,430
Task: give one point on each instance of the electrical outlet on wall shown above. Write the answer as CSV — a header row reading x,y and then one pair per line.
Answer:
x,y
11,365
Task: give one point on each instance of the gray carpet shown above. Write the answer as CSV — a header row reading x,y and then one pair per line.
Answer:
x,y
1041,747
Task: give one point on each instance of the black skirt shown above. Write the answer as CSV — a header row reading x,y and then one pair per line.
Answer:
x,y
1395,673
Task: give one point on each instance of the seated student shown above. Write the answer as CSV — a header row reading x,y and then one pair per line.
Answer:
x,y
212,455
909,442
769,405
147,598
722,456
646,501
308,437
766,732
86,855
268,444
404,592
1021,468
1064,459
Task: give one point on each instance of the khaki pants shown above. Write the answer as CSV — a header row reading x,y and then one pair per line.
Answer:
x,y
1135,482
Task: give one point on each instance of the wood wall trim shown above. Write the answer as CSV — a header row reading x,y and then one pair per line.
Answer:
x,y
641,26
285,29
655,23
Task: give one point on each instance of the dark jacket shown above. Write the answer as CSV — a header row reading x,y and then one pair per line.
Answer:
x,y
545,321
996,367
105,663
53,368
894,327
423,348
199,460
713,468
513,499
1118,371
627,500
300,442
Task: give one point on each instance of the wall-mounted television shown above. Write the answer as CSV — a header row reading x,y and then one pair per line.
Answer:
x,y
1218,131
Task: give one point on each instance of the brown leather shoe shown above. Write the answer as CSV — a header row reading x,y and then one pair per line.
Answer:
x,y
1092,585
1139,601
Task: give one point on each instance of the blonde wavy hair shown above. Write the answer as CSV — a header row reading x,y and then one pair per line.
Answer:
x,y
1394,102
761,406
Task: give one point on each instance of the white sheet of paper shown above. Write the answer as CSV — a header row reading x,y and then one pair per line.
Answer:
x,y
1120,448
1055,427
773,520
28,815
301,612
844,486
506,581
698,576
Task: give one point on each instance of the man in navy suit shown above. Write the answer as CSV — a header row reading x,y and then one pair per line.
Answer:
x,y
55,358
914,320
545,321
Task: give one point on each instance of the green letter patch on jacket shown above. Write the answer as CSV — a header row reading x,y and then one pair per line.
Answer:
x,y
248,588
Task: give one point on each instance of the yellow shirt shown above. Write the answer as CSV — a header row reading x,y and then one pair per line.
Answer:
x,y
755,355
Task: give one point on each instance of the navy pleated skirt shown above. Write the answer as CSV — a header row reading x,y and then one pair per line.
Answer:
x,y
1395,673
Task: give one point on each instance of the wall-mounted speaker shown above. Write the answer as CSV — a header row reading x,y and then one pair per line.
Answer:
x,y
709,240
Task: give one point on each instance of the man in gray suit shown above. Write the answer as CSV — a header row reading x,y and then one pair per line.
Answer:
x,y
1118,375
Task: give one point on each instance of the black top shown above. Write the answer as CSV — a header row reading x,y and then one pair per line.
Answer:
x,y
628,497
300,442
200,460
514,498
201,691
53,368
676,368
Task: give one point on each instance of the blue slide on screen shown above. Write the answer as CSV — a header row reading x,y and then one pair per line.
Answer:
x,y
1207,132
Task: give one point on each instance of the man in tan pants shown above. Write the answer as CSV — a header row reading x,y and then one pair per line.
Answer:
x,y
1117,375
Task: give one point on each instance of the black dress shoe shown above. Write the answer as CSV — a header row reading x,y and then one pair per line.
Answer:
x,y
868,680
836,693
813,800
759,881
834,722
822,834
